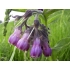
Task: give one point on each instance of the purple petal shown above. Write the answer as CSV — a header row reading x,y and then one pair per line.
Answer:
x,y
37,41
25,36
17,32
36,51
47,51
23,45
13,39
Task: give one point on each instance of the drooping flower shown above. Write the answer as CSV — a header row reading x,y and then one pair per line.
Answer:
x,y
36,50
13,39
47,50
23,43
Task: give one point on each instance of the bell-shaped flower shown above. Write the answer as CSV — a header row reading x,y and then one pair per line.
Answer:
x,y
23,43
36,50
47,51
13,39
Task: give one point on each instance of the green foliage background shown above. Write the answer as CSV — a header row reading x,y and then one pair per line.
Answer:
x,y
59,39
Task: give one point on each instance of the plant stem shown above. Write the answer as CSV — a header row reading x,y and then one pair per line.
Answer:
x,y
30,33
21,20
25,55
12,56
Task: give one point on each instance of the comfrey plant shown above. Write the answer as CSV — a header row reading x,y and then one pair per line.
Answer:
x,y
34,37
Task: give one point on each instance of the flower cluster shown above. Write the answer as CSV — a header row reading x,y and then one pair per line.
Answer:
x,y
34,37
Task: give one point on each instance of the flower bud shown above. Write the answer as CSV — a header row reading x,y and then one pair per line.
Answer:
x,y
28,13
47,51
36,23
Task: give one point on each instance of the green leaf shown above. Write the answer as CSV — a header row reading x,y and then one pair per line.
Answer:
x,y
60,48
51,11
41,19
53,18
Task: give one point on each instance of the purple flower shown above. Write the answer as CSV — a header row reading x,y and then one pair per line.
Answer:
x,y
36,50
23,43
13,39
47,50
